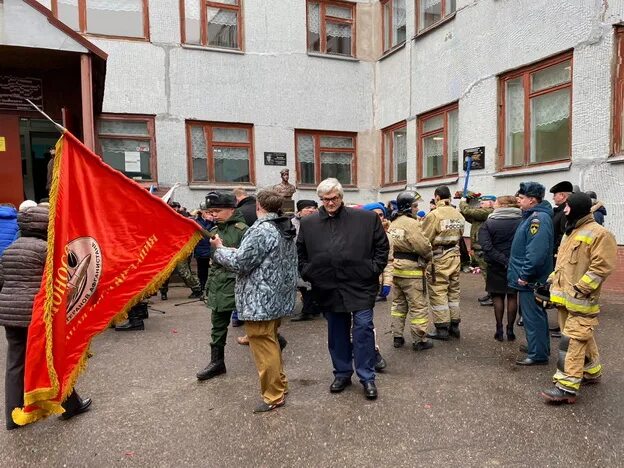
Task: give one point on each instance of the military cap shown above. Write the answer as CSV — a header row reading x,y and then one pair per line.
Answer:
x,y
220,200
564,186
301,204
532,189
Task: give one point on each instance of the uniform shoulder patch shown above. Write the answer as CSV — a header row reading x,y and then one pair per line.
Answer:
x,y
240,226
534,226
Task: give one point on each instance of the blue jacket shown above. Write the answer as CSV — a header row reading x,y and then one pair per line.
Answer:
x,y
531,254
266,269
8,226
202,249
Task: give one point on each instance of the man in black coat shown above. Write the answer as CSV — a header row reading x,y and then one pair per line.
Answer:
x,y
246,205
342,251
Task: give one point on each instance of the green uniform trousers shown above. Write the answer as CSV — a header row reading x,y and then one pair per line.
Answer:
x,y
220,323
183,269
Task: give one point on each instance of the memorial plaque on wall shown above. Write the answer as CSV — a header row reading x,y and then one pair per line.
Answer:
x,y
274,159
14,89
478,157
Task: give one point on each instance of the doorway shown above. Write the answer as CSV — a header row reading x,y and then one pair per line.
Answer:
x,y
37,137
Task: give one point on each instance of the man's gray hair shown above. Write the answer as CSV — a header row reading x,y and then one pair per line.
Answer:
x,y
329,185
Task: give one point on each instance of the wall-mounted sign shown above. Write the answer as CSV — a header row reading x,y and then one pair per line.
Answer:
x,y
478,157
274,159
2,143
132,160
14,89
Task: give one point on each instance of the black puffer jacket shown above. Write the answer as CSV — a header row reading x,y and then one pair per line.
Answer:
x,y
21,268
343,256
247,207
497,233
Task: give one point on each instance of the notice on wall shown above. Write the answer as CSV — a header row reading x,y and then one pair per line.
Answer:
x,y
274,159
14,90
132,161
2,143
477,157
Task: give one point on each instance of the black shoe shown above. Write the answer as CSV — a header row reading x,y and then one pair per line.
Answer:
x,y
83,407
485,298
301,318
439,334
498,336
398,341
370,391
422,345
454,330
339,384
487,303
163,296
237,323
216,365
282,342
131,325
558,396
556,334
195,295
380,362
530,362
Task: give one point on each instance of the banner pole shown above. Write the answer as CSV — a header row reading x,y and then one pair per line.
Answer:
x,y
468,166
58,126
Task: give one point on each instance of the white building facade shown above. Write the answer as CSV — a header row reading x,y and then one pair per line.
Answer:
x,y
380,94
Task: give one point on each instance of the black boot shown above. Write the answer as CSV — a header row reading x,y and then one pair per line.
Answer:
x,y
398,341
454,329
282,342
441,332
134,322
74,405
498,336
196,294
380,362
511,336
141,310
163,295
217,363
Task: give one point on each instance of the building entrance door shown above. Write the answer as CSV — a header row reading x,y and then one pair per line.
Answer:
x,y
11,187
37,138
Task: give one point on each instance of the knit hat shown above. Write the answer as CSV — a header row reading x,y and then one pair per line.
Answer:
x,y
301,204
532,189
375,206
580,205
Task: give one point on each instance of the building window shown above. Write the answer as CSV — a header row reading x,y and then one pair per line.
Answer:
x,y
394,156
618,93
394,23
438,152
431,12
331,27
325,154
127,144
220,152
116,18
212,23
535,125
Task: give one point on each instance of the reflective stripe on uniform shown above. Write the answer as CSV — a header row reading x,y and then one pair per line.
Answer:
x,y
396,313
594,370
585,236
566,381
571,303
453,304
591,279
439,239
408,273
439,307
420,321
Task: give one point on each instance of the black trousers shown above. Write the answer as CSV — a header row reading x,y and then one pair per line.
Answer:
x,y
14,376
203,263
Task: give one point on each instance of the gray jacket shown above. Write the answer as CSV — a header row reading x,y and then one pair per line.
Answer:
x,y
266,268
21,268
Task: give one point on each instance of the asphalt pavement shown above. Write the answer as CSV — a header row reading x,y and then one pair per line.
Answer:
x,y
462,403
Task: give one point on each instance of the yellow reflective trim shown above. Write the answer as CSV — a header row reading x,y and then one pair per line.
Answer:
x,y
588,240
590,282
408,273
419,321
590,309
569,384
397,314
594,370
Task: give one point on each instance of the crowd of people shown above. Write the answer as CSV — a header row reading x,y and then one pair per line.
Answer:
x,y
343,259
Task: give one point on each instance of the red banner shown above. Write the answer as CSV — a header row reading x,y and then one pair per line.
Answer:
x,y
110,243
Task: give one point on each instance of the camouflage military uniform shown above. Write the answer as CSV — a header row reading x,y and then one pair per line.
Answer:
x,y
476,217
183,269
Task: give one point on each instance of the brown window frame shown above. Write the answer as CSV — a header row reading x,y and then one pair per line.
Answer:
x,y
210,144
618,94
203,34
386,133
323,18
387,48
151,128
420,134
316,135
82,21
525,74
440,22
